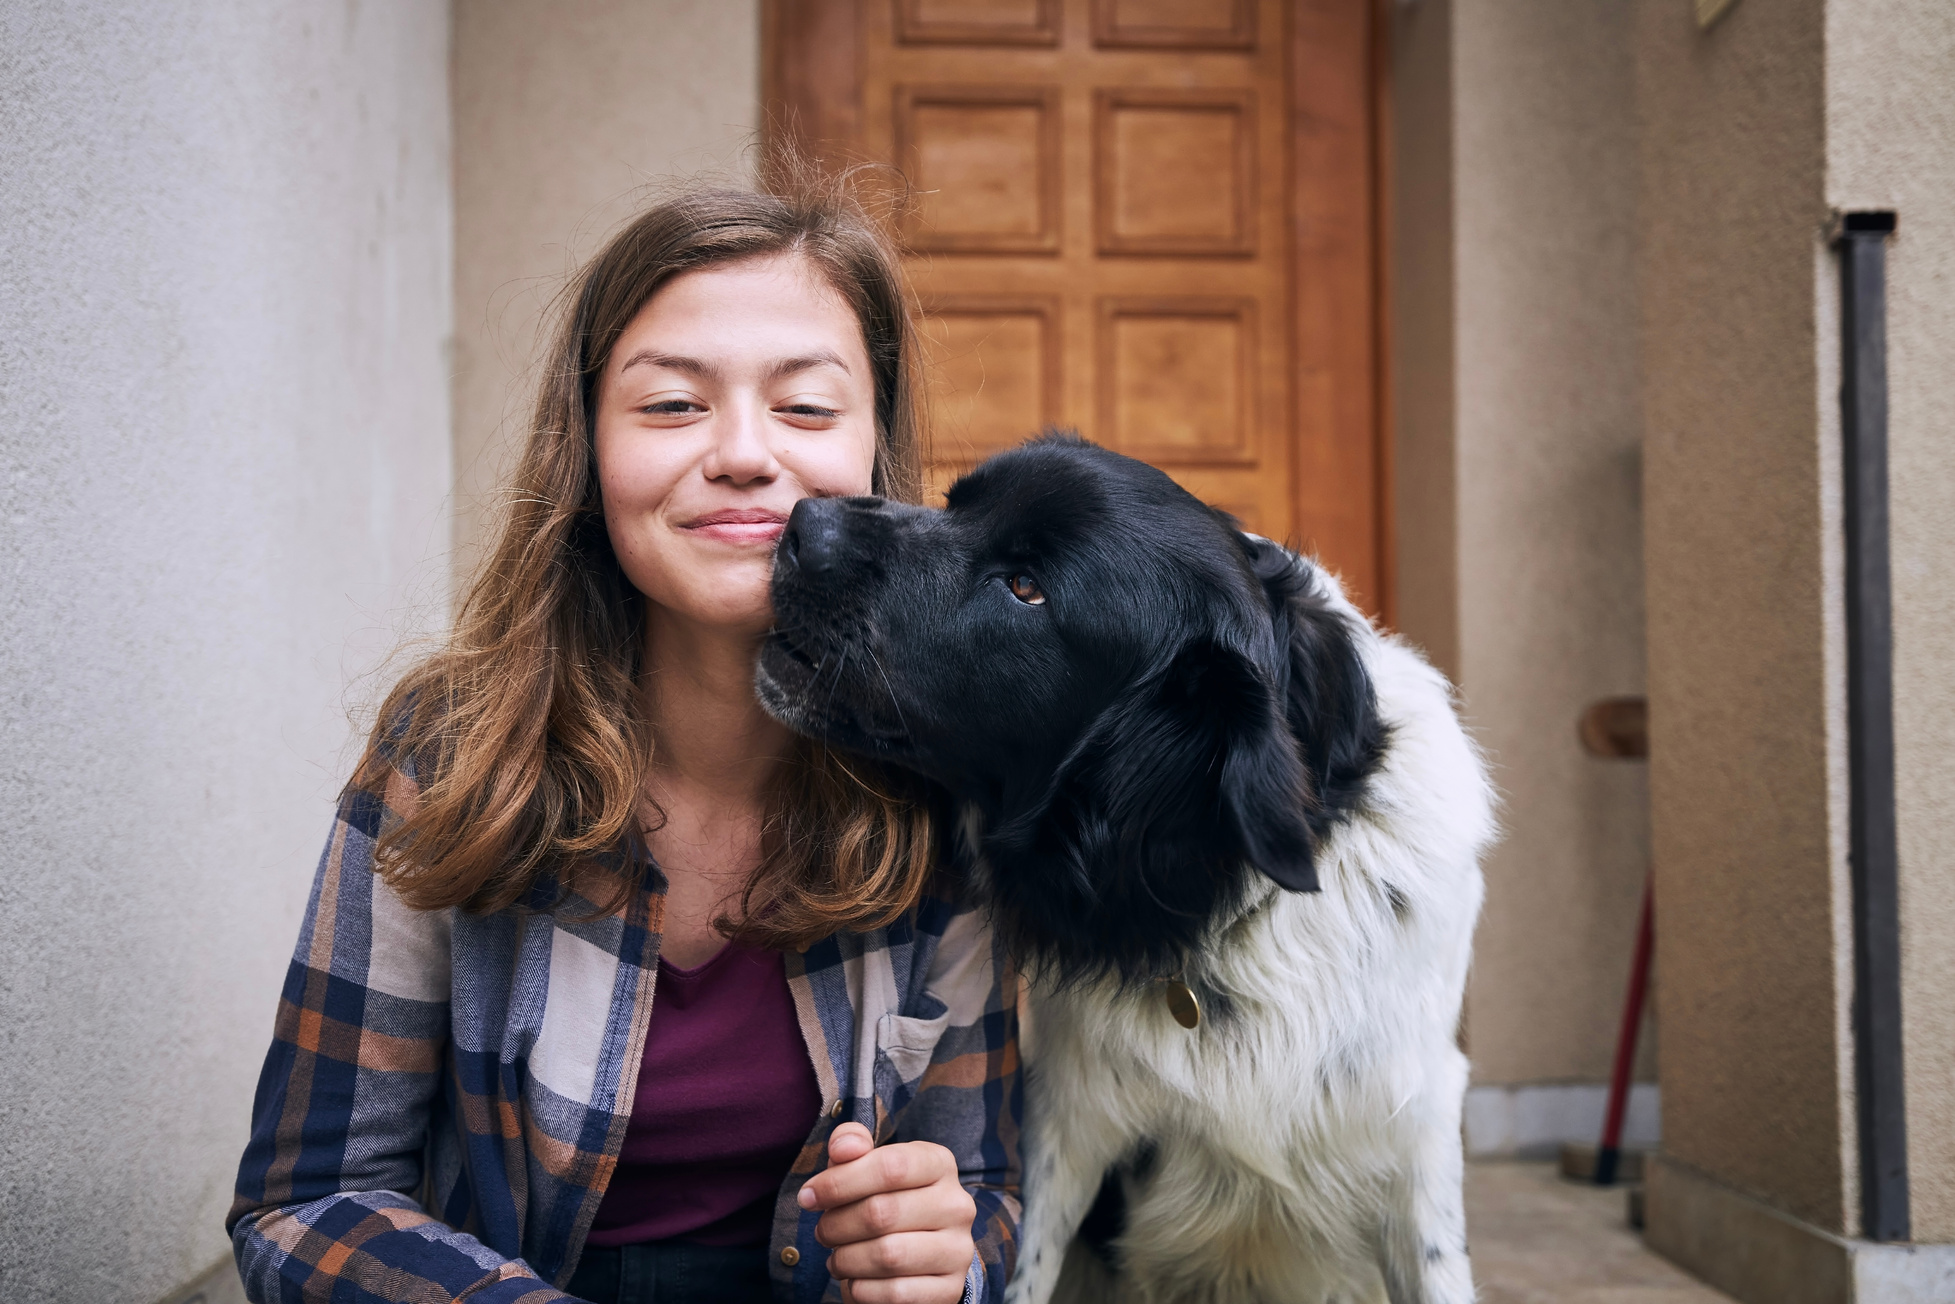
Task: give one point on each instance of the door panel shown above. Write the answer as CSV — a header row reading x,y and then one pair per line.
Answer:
x,y
985,164
1178,379
977,22
1182,24
1150,220
1148,144
994,364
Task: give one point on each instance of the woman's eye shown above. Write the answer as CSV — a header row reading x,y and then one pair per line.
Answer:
x,y
811,411
672,407
1026,590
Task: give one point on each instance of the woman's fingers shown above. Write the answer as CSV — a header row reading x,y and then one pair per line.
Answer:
x,y
937,1207
905,1290
897,1220
848,1143
903,1254
886,1168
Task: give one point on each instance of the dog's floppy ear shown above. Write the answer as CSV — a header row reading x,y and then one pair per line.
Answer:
x,y
1207,751
1120,861
1262,788
1328,695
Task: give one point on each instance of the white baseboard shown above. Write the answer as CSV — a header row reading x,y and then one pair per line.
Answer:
x,y
1533,1120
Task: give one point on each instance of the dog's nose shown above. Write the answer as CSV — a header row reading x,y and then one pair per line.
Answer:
x,y
813,539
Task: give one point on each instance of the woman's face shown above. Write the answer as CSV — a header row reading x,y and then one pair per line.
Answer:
x,y
737,391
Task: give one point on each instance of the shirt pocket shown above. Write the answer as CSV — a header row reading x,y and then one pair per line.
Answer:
x,y
905,1045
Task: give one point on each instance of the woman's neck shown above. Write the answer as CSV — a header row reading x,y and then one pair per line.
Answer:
x,y
710,733
713,752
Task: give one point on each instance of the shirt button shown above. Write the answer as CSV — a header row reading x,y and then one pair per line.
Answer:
x,y
841,1107
790,1256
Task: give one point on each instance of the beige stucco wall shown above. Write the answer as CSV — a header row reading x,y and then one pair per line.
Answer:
x,y
1756,130
569,115
1890,103
1742,550
1550,576
1425,474
1517,389
224,463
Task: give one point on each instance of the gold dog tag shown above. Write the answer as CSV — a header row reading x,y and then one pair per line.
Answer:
x,y
1187,1011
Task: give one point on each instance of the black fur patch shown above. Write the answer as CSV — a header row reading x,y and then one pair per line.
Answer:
x,y
1107,1218
1180,708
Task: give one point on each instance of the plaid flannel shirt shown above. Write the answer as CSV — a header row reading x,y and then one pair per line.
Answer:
x,y
446,1095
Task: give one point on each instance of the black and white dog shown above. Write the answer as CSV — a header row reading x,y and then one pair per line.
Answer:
x,y
1197,788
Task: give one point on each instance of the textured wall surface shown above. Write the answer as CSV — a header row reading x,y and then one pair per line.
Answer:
x,y
1742,551
1550,545
1890,102
1425,475
1517,393
224,293
569,116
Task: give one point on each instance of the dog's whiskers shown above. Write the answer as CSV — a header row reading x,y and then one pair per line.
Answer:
x,y
889,688
832,688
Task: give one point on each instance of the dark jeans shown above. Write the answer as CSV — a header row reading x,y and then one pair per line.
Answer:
x,y
672,1272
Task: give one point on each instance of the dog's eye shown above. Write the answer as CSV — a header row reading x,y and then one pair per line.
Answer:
x,y
1026,590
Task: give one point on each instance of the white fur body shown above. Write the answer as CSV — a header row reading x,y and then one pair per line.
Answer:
x,y
1306,1136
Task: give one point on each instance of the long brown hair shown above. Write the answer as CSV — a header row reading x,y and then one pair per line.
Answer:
x,y
525,732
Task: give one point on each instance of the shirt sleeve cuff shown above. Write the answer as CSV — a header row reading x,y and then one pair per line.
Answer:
x,y
515,1290
974,1281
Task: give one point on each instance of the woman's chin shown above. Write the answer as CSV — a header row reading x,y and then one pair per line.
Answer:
x,y
741,615
731,594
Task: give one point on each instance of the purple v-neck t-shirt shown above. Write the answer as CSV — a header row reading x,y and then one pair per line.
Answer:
x,y
726,1098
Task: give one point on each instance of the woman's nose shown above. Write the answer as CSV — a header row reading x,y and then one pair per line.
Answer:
x,y
741,452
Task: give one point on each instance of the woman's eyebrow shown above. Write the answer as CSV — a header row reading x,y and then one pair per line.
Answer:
x,y
819,358
672,362
777,370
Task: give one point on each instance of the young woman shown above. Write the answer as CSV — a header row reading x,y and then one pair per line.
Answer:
x,y
609,987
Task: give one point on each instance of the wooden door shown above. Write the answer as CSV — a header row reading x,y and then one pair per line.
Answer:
x,y
1153,221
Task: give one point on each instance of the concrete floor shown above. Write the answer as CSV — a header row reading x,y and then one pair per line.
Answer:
x,y
1537,1239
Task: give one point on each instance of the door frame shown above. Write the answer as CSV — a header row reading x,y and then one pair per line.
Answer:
x,y
1339,202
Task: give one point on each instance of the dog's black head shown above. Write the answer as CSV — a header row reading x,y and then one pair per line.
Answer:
x,y
1140,701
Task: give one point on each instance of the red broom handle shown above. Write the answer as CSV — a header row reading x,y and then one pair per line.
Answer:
x,y
1632,1022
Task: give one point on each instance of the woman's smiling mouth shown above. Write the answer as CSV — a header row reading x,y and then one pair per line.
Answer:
x,y
739,526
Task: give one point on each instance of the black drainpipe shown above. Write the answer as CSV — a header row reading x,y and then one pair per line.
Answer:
x,y
1873,846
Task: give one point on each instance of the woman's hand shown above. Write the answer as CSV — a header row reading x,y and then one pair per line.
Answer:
x,y
897,1220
